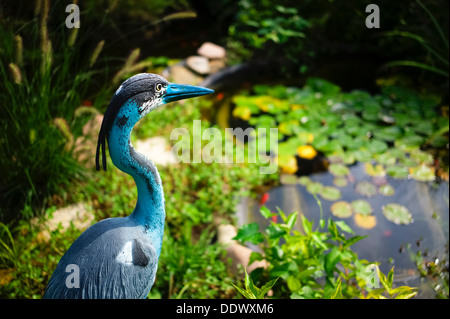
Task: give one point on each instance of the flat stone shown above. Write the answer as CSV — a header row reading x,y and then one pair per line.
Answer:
x,y
198,64
157,149
181,74
216,65
79,214
211,51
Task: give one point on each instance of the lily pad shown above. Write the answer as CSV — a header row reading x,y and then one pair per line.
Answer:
x,y
378,146
342,209
288,179
340,181
288,164
386,190
397,172
365,221
304,180
397,214
330,193
387,158
375,171
314,187
338,169
362,207
366,189
422,157
422,173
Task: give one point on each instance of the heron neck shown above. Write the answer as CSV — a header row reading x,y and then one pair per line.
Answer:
x,y
149,211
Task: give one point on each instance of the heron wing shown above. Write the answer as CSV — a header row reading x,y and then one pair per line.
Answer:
x,y
101,274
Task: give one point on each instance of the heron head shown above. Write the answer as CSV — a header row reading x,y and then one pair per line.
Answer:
x,y
138,96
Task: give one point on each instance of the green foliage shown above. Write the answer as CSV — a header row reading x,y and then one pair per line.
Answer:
x,y
269,28
42,85
315,262
253,292
192,268
391,128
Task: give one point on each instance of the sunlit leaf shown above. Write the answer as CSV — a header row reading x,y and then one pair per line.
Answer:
x,y
422,173
386,190
366,189
397,214
338,169
361,206
330,193
341,209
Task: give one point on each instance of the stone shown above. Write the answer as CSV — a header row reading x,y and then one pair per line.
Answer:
x,y
240,255
181,74
157,149
216,65
198,64
211,51
79,214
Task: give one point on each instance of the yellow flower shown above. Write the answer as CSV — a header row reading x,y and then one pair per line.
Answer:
x,y
306,151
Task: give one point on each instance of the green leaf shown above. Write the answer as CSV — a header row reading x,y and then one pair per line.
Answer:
x,y
404,292
244,293
338,292
265,289
249,286
353,240
255,256
266,213
274,231
290,222
331,259
249,232
342,225
293,283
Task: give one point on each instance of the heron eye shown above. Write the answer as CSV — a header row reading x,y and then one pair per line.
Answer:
x,y
159,87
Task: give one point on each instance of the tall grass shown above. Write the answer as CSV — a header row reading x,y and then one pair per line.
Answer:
x,y
42,83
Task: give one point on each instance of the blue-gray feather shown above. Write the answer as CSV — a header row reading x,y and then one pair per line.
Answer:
x,y
102,276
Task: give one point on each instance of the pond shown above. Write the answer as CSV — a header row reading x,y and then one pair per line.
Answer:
x,y
361,155
388,243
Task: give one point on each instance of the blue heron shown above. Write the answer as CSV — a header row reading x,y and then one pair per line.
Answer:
x,y
118,257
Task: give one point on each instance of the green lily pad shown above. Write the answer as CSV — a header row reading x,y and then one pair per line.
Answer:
x,y
288,179
377,146
422,157
375,171
423,173
361,206
330,193
386,190
338,169
366,189
397,214
362,155
386,158
314,187
389,133
304,180
397,172
342,209
340,181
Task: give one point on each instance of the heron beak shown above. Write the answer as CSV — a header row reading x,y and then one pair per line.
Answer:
x,y
175,92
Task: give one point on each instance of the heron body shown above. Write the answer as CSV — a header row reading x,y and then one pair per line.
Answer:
x,y
118,257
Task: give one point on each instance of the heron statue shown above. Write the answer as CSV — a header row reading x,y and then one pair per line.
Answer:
x,y
118,257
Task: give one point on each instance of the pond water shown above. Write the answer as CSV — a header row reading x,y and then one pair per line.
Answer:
x,y
388,243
